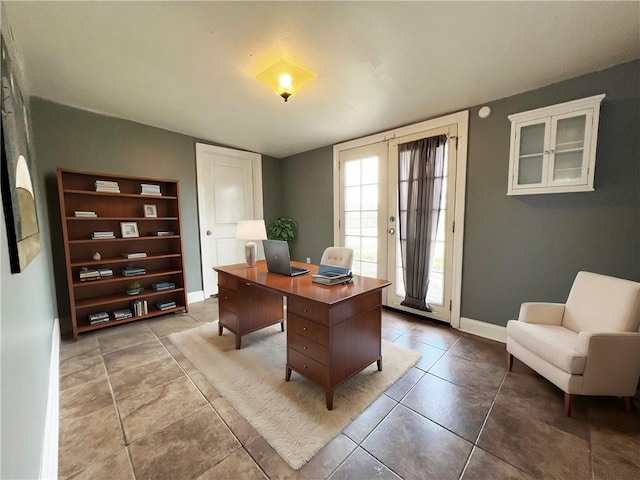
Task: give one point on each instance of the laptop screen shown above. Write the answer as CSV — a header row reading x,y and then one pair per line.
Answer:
x,y
276,253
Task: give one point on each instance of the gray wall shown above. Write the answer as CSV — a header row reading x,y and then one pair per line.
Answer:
x,y
308,199
27,312
76,139
530,247
521,248
26,326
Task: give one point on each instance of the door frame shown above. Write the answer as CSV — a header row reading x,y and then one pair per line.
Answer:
x,y
462,120
256,164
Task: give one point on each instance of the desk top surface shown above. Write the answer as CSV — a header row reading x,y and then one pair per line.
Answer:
x,y
302,286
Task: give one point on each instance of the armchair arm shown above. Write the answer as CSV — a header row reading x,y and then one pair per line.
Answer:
x,y
612,362
542,313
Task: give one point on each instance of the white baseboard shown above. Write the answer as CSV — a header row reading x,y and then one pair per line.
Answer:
x,y
193,297
484,329
49,461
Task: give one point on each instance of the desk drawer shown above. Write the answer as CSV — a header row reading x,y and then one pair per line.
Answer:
x,y
307,367
227,281
307,328
228,299
308,309
228,319
307,347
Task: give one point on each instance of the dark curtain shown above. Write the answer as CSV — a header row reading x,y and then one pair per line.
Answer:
x,y
420,177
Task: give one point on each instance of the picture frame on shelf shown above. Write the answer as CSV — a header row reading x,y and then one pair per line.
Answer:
x,y
129,229
150,210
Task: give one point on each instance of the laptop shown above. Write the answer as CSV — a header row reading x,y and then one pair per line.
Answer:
x,y
276,253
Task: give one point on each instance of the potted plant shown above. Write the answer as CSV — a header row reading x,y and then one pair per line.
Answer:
x,y
284,228
134,288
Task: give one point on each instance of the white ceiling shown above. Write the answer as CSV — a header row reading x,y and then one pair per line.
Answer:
x,y
190,67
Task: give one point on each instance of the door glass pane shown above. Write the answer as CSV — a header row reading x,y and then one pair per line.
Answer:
x,y
361,213
530,170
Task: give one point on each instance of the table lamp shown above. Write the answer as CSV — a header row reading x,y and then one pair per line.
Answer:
x,y
251,230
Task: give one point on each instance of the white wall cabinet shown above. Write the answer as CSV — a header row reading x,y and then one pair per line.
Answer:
x,y
553,149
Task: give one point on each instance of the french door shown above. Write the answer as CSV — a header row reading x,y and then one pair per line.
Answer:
x,y
368,211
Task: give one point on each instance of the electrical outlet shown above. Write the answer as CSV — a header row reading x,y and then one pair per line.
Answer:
x,y
308,259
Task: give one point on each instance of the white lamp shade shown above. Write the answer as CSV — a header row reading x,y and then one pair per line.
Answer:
x,y
251,230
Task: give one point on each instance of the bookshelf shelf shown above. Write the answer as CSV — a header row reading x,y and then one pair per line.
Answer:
x,y
163,262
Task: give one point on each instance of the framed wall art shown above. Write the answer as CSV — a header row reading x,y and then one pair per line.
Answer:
x,y
18,195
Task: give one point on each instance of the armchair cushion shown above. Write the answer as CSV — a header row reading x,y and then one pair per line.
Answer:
x,y
552,343
542,313
599,303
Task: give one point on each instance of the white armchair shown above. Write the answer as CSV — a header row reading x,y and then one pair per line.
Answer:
x,y
589,345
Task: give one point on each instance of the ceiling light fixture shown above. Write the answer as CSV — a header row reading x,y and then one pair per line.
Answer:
x,y
285,78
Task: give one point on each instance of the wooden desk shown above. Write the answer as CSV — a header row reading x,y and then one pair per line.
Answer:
x,y
333,332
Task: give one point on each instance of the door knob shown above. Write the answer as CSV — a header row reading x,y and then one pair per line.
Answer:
x,y
208,232
392,231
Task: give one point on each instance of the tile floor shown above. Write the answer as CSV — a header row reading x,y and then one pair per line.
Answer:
x,y
132,407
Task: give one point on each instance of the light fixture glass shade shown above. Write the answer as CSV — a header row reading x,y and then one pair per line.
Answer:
x,y
285,78
251,230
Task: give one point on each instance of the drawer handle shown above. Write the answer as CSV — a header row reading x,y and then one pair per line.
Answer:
x,y
306,310
304,366
304,348
304,329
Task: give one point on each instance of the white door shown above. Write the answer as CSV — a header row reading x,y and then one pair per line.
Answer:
x,y
229,189
366,208
363,193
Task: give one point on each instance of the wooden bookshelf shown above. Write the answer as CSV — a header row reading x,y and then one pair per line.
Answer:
x,y
164,260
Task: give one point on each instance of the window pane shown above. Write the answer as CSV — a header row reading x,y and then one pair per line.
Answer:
x,y
369,249
370,170
369,224
352,224
352,198
370,197
352,173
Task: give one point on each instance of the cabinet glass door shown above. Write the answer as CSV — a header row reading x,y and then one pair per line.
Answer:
x,y
568,150
530,167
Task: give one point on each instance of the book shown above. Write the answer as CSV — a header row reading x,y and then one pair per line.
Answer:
x,y
163,286
80,213
105,272
107,186
99,317
106,183
150,187
122,314
134,255
162,233
130,272
139,308
166,305
95,235
88,274
98,322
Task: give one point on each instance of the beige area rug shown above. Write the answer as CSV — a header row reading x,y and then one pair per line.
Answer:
x,y
291,416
